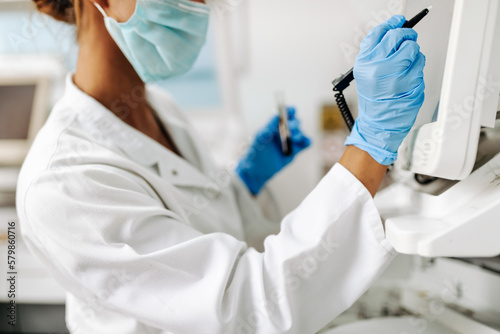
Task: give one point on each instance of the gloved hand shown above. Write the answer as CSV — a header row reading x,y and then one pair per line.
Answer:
x,y
265,157
389,77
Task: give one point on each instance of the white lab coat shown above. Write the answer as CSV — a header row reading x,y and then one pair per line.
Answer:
x,y
147,242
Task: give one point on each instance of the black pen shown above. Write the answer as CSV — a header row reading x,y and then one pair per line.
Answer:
x,y
417,18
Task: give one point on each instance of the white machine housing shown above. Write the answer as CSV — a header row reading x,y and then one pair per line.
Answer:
x,y
470,93
464,220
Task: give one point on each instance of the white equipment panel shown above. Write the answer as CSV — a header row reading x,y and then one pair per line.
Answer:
x,y
470,92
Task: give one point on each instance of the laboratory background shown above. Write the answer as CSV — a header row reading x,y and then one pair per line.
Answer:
x,y
441,209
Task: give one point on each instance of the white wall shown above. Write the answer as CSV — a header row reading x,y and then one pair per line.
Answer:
x,y
299,47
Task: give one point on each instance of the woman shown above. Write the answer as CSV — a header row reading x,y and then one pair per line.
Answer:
x,y
119,200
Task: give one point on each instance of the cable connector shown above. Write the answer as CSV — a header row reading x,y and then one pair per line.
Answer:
x,y
342,82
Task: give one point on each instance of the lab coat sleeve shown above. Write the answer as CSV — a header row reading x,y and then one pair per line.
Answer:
x,y
112,243
260,215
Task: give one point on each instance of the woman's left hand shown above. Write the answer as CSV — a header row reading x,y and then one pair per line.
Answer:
x,y
265,157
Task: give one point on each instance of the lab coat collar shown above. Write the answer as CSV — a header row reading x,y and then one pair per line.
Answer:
x,y
192,172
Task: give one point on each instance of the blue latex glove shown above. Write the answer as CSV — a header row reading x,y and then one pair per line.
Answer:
x,y
265,158
390,81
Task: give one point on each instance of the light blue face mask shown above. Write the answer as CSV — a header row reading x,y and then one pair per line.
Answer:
x,y
163,38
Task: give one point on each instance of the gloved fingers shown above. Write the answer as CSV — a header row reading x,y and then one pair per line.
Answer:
x,y
398,62
269,132
273,123
376,34
394,78
414,75
409,50
294,124
406,55
295,130
406,116
295,127
391,43
419,63
300,142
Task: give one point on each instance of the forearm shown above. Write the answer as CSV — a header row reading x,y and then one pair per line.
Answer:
x,y
368,171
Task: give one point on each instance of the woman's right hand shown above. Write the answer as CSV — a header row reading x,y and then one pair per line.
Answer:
x,y
390,81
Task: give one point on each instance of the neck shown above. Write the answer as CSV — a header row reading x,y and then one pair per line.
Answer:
x,y
104,73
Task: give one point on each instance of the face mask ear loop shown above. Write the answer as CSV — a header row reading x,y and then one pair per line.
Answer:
x,y
100,9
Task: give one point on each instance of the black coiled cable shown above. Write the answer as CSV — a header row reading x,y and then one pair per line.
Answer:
x,y
339,85
344,110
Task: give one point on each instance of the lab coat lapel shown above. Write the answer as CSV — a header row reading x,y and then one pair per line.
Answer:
x,y
189,171
197,165
172,168
149,153
180,172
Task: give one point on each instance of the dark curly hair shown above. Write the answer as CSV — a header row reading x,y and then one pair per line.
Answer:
x,y
61,10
